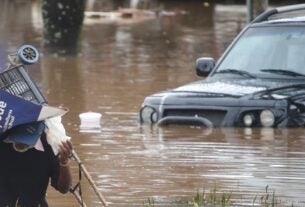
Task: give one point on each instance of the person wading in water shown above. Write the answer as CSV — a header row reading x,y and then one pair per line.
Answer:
x,y
26,172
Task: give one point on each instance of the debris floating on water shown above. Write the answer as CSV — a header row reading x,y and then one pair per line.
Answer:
x,y
90,122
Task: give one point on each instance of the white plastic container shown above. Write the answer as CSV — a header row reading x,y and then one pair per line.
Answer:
x,y
90,121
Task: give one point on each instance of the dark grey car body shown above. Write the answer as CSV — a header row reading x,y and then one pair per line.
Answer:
x,y
258,82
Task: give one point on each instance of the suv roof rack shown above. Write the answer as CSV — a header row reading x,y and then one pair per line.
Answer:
x,y
265,15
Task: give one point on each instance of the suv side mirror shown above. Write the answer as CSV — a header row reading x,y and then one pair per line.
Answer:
x,y
204,66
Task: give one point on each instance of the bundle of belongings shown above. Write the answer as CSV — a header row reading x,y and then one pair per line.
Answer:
x,y
27,120
24,114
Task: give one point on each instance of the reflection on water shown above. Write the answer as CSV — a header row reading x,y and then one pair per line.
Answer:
x,y
117,66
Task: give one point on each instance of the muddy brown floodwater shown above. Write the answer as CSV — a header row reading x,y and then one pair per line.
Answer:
x,y
119,63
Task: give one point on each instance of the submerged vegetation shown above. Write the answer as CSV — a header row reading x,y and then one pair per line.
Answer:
x,y
214,198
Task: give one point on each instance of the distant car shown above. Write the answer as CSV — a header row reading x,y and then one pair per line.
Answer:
x,y
258,82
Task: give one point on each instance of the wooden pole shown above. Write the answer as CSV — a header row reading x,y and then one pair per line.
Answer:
x,y
87,175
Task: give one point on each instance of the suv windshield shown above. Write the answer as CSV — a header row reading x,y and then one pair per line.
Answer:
x,y
263,50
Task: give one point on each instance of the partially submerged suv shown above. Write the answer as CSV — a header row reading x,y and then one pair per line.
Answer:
x,y
258,82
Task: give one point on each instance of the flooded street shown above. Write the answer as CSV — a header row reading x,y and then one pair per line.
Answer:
x,y
121,62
